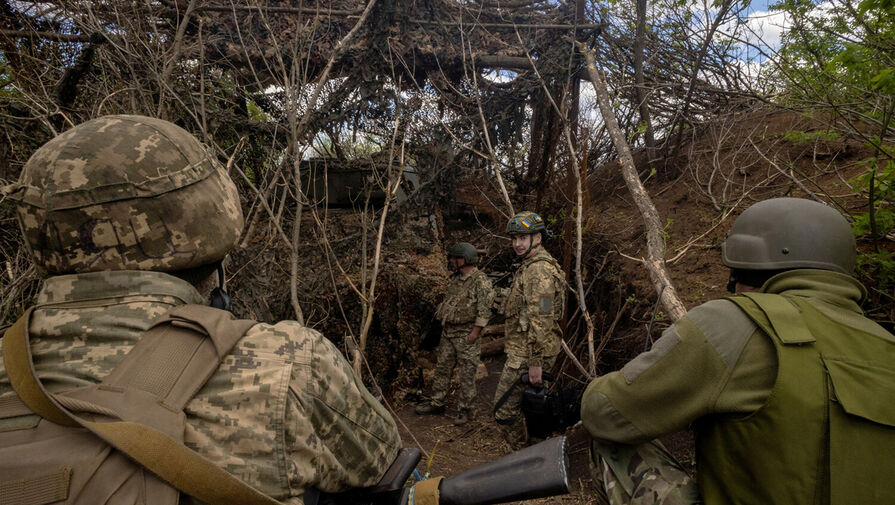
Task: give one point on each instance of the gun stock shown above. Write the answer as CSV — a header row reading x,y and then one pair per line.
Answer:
x,y
534,472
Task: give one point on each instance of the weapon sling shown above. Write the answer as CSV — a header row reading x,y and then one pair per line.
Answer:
x,y
144,396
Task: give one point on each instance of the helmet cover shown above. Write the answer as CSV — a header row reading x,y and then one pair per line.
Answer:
x,y
126,193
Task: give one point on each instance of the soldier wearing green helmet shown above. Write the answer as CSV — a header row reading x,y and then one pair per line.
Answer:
x,y
129,219
533,308
788,387
463,313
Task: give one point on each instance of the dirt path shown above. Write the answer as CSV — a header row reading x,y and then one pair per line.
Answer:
x,y
479,441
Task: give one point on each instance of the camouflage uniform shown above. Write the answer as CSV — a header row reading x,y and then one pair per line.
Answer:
x,y
283,412
534,307
467,303
108,206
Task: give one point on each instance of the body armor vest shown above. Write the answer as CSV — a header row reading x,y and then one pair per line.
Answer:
x,y
825,433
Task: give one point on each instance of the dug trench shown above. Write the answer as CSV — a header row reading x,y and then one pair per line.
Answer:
x,y
698,194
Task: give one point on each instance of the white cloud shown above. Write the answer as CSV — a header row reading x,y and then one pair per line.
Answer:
x,y
766,28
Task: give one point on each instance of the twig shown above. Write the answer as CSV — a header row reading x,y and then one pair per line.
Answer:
x,y
258,194
655,241
493,158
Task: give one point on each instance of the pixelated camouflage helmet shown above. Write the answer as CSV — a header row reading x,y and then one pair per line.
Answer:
x,y
466,251
786,233
126,193
526,223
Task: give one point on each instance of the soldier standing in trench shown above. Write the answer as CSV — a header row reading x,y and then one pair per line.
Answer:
x,y
534,307
463,313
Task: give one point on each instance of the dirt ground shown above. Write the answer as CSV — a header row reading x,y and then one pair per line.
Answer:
x,y
455,449
450,450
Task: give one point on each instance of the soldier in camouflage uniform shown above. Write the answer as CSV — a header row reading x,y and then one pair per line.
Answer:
x,y
463,313
533,309
129,216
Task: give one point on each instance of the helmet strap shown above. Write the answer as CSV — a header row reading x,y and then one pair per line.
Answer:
x,y
531,244
219,298
732,282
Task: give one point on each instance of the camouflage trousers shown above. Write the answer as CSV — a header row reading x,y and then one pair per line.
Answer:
x,y
644,474
509,414
454,352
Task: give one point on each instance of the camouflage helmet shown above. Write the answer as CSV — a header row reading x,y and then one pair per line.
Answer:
x,y
466,251
125,193
526,223
786,233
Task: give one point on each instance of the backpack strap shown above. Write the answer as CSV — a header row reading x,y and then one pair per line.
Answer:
x,y
149,376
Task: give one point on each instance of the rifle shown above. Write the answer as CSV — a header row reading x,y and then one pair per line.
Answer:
x,y
534,472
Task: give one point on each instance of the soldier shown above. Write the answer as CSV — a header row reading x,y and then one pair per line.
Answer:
x,y
789,388
534,307
463,313
130,217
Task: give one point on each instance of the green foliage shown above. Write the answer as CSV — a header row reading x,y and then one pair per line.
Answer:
x,y
879,266
841,56
803,137
256,113
879,186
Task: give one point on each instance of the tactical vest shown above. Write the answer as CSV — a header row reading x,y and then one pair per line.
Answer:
x,y
458,307
827,432
515,297
120,441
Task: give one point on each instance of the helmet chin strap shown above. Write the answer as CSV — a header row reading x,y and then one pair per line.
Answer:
x,y
531,245
219,298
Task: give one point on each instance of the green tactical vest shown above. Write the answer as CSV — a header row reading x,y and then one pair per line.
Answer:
x,y
826,434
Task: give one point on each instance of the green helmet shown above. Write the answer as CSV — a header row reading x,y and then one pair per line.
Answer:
x,y
466,251
126,193
526,223
786,233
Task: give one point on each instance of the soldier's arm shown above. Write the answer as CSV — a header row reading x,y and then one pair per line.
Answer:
x,y
483,297
337,435
538,304
712,360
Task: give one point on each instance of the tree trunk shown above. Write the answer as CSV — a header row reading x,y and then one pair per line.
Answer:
x,y
655,241
642,102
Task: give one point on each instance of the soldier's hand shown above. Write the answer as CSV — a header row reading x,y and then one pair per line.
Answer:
x,y
534,374
473,334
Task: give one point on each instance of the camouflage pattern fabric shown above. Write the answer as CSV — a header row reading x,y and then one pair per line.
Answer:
x,y
645,474
509,415
534,306
125,193
283,412
456,353
467,303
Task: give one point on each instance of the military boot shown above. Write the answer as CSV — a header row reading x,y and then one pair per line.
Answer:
x,y
424,409
462,418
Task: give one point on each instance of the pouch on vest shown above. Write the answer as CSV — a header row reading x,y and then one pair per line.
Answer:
x,y
831,411
862,417
120,441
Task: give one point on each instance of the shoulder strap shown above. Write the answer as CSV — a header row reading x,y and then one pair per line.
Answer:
x,y
179,353
781,316
162,454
